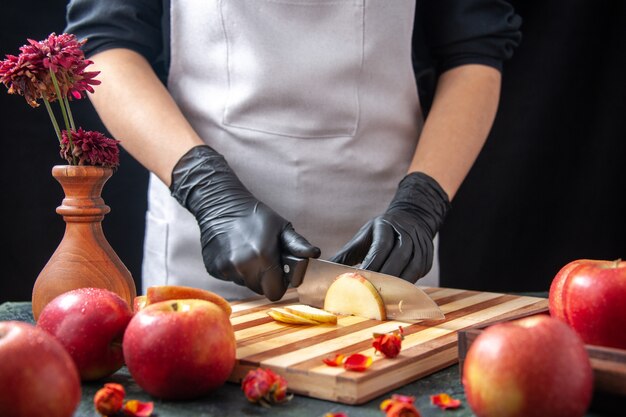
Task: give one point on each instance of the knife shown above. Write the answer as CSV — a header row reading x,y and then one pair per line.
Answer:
x,y
403,300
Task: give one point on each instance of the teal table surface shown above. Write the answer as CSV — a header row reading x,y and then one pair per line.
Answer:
x,y
230,401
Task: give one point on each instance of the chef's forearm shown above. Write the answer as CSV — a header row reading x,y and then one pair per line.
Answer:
x,y
137,110
458,124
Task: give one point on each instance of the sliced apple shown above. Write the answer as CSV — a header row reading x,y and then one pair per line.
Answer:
x,y
351,293
139,302
282,315
312,313
158,293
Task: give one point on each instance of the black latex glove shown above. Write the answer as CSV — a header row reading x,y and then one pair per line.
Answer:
x,y
243,240
400,241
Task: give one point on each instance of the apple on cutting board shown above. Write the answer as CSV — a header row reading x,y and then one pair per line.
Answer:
x,y
301,314
351,293
284,316
312,313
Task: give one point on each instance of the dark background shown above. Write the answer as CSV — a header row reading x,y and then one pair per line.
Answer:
x,y
547,188
29,226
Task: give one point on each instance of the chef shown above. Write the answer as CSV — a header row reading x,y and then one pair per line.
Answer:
x,y
295,127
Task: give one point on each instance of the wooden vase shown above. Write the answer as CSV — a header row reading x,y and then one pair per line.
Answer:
x,y
84,258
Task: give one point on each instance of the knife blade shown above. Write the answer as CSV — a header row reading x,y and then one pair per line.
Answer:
x,y
403,300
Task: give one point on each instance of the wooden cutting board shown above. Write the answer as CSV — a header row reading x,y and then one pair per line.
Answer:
x,y
296,352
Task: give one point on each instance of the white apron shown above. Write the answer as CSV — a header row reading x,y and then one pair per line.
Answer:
x,y
314,105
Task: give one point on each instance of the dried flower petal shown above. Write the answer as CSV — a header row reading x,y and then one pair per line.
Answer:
x,y
89,148
444,401
389,344
396,398
256,385
136,408
265,387
402,410
336,361
399,406
278,389
357,362
109,399
403,398
335,415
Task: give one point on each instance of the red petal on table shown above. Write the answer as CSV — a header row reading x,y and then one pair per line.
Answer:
x,y
399,409
399,406
444,401
135,408
109,399
386,404
403,398
335,415
336,361
357,362
388,344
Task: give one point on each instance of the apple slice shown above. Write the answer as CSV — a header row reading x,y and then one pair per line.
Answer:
x,y
139,302
158,293
312,313
282,315
351,293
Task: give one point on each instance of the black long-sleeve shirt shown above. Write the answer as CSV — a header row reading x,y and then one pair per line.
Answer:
x,y
447,33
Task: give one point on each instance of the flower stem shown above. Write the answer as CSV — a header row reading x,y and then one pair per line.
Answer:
x,y
53,119
69,113
60,99
68,127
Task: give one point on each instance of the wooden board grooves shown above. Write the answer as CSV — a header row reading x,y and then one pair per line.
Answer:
x,y
350,326
296,352
364,345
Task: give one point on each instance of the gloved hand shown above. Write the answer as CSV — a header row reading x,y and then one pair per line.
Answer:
x,y
400,241
242,238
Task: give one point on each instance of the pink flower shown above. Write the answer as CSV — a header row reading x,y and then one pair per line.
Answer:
x,y
54,70
31,83
28,74
90,148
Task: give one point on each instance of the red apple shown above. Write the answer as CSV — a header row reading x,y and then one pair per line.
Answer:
x,y
90,324
536,366
180,349
590,296
37,375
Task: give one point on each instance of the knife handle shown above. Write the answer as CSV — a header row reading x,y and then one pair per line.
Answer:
x,y
294,269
